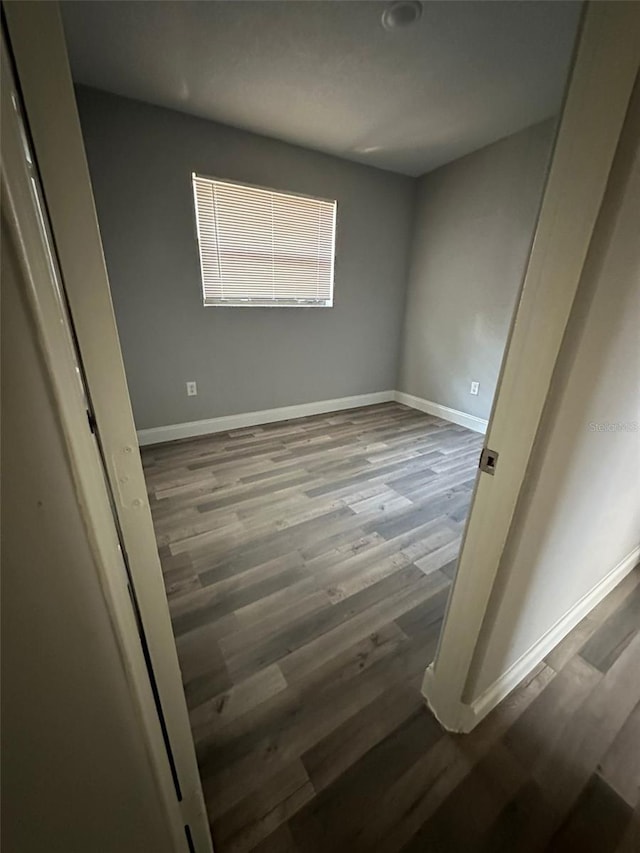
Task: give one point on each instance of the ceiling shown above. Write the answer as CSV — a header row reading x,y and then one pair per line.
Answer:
x,y
325,74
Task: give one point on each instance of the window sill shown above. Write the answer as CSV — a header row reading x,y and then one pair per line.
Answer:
x,y
249,304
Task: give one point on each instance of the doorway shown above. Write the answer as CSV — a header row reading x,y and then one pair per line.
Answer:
x,y
289,781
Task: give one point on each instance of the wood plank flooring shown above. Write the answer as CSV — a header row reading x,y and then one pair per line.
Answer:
x,y
307,566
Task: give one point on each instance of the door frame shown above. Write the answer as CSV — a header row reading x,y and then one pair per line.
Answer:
x,y
38,50
606,61
24,212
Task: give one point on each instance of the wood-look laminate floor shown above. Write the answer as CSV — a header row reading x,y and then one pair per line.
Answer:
x,y
307,567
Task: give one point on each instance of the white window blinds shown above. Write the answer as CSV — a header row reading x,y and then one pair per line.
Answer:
x,y
263,247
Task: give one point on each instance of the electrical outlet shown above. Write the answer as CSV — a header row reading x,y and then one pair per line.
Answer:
x,y
192,389
475,387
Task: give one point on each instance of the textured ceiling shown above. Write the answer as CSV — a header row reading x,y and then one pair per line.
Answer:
x,y
326,74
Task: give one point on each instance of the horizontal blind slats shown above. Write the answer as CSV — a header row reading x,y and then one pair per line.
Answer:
x,y
263,246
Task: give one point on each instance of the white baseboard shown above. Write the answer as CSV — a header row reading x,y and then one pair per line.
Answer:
x,y
444,412
530,659
462,717
157,435
191,429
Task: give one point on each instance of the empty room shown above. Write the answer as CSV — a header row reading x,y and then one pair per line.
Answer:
x,y
346,397
315,248
316,219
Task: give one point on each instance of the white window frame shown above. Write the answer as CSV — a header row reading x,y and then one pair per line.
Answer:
x,y
253,302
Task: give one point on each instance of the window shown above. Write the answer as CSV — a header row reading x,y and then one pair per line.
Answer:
x,y
263,247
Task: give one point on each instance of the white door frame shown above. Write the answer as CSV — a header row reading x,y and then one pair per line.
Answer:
x,y
38,48
601,82
27,223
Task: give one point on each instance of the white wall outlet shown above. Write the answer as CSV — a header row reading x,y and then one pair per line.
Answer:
x,y
475,387
192,389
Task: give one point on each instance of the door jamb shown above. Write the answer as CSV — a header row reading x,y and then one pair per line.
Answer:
x,y
598,93
26,221
39,51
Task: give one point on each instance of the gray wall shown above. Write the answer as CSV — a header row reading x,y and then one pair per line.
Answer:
x,y
580,516
243,359
473,226
76,775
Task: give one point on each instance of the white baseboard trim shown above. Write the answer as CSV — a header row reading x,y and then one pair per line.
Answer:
x,y
192,429
444,412
530,659
157,435
462,717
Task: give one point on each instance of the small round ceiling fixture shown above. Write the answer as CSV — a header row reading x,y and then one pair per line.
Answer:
x,y
402,13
